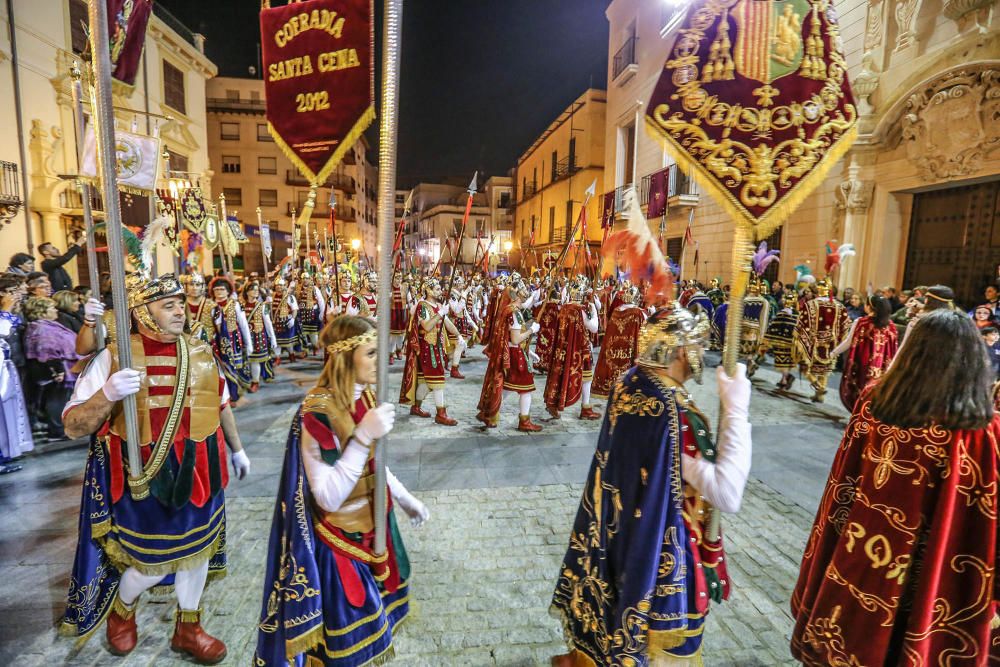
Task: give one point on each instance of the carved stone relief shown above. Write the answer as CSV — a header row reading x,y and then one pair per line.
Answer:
x,y
906,12
953,123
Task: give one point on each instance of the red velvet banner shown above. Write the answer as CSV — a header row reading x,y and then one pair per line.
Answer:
x,y
318,65
127,32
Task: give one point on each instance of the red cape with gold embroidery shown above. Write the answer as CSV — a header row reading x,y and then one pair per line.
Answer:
x,y
564,385
547,320
871,351
618,352
899,566
498,353
411,351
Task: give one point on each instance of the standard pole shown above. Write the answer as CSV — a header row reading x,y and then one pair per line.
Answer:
x,y
88,214
392,27
104,126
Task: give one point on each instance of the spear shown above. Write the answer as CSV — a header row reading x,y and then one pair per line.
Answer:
x,y
333,232
569,240
398,242
461,235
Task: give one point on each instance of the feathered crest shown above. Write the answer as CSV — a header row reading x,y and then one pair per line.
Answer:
x,y
763,258
803,274
836,254
133,246
640,253
154,231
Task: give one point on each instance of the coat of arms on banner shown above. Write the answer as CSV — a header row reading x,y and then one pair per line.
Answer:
x,y
754,100
136,160
192,208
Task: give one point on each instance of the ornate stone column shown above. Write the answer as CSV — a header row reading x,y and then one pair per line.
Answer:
x,y
854,196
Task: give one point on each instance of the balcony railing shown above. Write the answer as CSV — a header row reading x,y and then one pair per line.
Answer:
x,y
678,184
227,104
566,167
72,199
624,57
529,191
339,181
174,23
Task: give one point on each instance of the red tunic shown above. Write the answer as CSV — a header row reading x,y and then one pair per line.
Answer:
x,y
547,319
397,313
572,359
619,350
899,568
871,351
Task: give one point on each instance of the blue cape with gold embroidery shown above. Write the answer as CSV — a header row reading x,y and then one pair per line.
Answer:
x,y
622,587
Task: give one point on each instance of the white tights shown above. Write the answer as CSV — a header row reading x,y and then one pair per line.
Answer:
x,y
255,371
188,584
395,342
523,402
422,392
456,355
585,399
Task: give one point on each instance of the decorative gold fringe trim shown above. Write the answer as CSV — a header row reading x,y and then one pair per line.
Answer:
x,y
345,144
776,215
304,643
119,608
187,615
122,560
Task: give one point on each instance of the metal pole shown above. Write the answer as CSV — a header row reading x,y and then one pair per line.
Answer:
x,y
88,214
223,255
104,126
392,28
14,67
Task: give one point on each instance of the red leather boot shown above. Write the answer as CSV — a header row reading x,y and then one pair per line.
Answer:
x,y
122,634
525,424
443,418
589,413
455,373
190,638
417,411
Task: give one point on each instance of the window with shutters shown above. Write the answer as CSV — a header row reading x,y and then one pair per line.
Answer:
x,y
569,217
555,160
262,133
233,95
78,21
267,165
234,196
552,223
268,198
675,246
173,87
230,131
230,164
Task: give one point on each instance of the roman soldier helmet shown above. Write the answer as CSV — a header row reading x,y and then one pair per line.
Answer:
x,y
578,288
279,282
753,287
192,279
428,284
822,288
715,283
370,280
143,290
670,332
790,299
632,295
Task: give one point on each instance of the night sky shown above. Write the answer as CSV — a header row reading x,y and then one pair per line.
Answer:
x,y
480,79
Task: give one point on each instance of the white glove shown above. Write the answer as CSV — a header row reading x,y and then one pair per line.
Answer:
x,y
534,357
241,464
443,310
734,392
535,326
376,423
124,383
93,309
414,509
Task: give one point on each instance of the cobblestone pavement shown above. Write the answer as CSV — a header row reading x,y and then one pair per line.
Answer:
x,y
501,504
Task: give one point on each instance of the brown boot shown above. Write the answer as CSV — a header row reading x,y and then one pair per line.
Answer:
x,y
122,634
455,373
525,424
416,411
190,638
254,387
443,418
589,413
552,412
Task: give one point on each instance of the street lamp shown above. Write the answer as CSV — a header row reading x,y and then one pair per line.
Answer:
x,y
355,244
507,245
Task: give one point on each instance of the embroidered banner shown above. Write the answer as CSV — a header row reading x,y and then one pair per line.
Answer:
x,y
127,21
754,98
318,80
136,160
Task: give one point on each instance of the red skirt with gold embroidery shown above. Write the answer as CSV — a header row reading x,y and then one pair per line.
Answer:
x,y
517,377
430,365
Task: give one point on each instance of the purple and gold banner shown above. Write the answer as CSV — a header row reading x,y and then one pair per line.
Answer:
x,y
754,99
127,21
317,58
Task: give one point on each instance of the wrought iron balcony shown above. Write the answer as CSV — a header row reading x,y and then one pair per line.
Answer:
x,y
10,192
624,58
529,191
681,189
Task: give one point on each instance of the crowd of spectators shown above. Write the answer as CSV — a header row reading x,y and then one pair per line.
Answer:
x,y
40,315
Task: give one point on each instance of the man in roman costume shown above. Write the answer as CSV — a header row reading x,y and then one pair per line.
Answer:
x,y
780,339
284,309
423,371
571,371
641,570
262,336
311,312
458,342
173,515
508,371
233,343
199,307
822,325
621,341
547,320
756,312
398,316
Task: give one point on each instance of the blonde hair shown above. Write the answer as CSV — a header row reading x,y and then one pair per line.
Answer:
x,y
338,372
35,307
67,301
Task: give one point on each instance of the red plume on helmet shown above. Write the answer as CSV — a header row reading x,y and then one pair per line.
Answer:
x,y
636,250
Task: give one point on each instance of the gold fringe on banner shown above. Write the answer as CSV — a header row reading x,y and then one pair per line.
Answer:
x,y
346,144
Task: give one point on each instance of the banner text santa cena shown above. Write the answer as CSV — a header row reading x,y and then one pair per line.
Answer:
x,y
329,61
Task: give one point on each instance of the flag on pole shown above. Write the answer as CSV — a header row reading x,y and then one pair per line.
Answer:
x,y
658,182
688,237
608,211
127,21
137,161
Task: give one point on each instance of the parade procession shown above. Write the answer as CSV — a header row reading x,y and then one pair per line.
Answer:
x,y
500,334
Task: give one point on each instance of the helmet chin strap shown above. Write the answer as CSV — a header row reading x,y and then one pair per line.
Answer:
x,y
146,319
